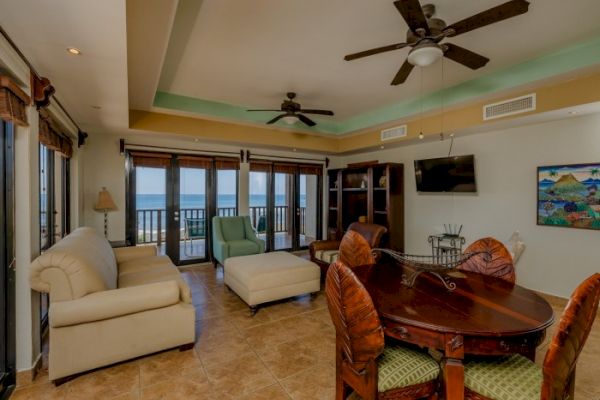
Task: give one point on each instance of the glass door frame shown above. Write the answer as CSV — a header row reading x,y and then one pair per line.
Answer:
x,y
7,257
295,209
172,206
173,236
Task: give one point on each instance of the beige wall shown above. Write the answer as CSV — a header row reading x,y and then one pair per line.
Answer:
x,y
556,259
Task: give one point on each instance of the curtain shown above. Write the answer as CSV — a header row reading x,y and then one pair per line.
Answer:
x,y
260,166
51,136
147,159
13,102
285,168
310,169
195,162
227,163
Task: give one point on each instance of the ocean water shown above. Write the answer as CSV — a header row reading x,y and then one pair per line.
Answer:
x,y
157,201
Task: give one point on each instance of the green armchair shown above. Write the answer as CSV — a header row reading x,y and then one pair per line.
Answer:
x,y
232,237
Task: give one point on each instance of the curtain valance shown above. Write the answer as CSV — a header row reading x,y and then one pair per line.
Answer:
x,y
148,159
195,162
13,102
51,136
227,163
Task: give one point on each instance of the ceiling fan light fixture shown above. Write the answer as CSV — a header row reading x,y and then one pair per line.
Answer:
x,y
290,119
423,55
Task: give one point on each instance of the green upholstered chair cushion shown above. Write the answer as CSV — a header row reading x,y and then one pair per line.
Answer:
x,y
505,378
232,228
242,248
401,367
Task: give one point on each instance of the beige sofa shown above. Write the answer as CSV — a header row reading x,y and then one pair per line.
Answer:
x,y
109,305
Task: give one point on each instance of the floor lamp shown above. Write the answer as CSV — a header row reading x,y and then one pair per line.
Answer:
x,y
105,204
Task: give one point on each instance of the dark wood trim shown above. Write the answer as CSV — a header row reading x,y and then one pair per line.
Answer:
x,y
7,262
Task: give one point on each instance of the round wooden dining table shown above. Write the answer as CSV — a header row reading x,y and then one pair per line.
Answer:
x,y
482,316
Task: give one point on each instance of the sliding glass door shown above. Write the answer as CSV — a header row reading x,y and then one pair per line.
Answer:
x,y
285,203
172,199
7,261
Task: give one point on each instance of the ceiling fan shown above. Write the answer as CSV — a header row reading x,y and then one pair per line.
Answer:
x,y
292,112
426,32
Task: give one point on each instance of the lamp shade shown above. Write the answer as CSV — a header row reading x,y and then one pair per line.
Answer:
x,y
105,201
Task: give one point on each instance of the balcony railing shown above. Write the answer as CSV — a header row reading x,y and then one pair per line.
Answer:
x,y
151,223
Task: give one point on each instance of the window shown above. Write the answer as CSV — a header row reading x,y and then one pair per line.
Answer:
x,y
54,219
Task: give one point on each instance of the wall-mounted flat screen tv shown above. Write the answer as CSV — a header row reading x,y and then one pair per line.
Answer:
x,y
447,174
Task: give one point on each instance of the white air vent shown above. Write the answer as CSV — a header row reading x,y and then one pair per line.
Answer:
x,y
393,133
514,106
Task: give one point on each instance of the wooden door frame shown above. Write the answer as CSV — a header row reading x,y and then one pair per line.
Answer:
x,y
7,254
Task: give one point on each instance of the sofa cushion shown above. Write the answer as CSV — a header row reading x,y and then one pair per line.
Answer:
x,y
81,263
158,273
242,248
143,264
232,228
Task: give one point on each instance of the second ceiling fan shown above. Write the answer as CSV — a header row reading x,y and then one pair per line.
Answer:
x,y
293,111
425,34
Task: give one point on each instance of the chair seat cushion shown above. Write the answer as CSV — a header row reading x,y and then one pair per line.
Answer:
x,y
328,256
401,367
505,378
242,248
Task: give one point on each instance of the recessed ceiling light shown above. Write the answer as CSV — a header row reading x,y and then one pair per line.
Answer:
x,y
196,140
73,50
294,149
382,147
572,112
421,136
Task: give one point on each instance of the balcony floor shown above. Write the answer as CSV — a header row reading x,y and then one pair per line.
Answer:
x,y
196,249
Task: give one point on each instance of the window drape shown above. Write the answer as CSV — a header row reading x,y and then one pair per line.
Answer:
x,y
152,160
13,102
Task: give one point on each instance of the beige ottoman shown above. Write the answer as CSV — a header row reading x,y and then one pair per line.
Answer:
x,y
261,278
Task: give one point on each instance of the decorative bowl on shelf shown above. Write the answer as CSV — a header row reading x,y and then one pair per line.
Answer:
x,y
383,181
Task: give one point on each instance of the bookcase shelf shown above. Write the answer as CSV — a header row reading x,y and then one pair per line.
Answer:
x,y
380,200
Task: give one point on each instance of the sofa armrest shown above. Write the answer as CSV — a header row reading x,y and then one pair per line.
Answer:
x,y
319,245
113,303
123,254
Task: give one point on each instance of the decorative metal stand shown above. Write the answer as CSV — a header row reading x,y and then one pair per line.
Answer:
x,y
428,264
446,247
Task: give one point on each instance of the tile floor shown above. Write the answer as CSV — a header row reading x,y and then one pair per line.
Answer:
x,y
284,352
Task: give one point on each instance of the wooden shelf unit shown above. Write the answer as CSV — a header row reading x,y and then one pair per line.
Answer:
x,y
355,192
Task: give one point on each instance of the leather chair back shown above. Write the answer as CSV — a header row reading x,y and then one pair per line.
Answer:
x,y
371,232
494,259
573,330
357,325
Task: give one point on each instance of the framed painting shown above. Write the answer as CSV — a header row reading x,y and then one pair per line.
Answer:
x,y
569,196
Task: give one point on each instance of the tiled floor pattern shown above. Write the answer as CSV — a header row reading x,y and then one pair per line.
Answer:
x,y
283,352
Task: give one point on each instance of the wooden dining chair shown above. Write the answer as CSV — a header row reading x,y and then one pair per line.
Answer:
x,y
491,258
517,378
363,362
355,250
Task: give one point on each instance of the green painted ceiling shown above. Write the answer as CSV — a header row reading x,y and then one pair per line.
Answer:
x,y
566,60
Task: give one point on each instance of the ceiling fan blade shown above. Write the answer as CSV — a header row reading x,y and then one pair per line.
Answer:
x,y
413,14
403,73
263,110
464,56
378,50
320,112
306,120
493,15
277,118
